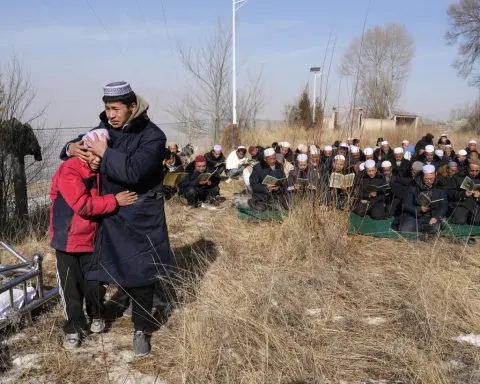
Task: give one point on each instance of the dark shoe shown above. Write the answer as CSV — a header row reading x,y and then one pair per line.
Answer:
x,y
141,343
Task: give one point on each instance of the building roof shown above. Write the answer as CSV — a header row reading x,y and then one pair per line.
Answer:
x,y
404,114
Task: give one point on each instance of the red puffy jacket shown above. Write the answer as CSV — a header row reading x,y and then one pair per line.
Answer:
x,y
76,207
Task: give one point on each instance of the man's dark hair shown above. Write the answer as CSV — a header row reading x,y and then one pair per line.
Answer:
x,y
429,136
355,141
128,99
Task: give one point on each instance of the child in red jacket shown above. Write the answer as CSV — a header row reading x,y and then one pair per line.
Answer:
x,y
74,213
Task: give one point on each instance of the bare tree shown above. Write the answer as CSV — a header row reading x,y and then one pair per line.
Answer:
x,y
380,63
464,18
209,95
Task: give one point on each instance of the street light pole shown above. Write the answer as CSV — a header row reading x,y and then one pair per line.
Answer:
x,y
236,5
315,71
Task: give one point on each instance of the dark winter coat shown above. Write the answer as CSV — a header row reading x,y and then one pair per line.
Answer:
x,y
191,182
262,199
403,169
379,155
437,209
213,162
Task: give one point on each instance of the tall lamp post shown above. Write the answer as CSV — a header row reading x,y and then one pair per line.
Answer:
x,y
236,5
316,71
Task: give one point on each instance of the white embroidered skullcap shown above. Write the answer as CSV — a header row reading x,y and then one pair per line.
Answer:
x,y
428,168
217,148
312,147
368,151
302,157
472,142
343,145
339,157
369,164
241,147
328,148
443,135
118,88
405,142
302,147
386,164
354,149
398,150
268,152
314,151
361,167
462,152
385,142
429,149
96,132
286,144
439,153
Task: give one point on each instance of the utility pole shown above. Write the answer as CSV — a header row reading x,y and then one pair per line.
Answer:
x,y
236,5
315,71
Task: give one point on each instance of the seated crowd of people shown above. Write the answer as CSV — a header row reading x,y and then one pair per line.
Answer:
x,y
418,185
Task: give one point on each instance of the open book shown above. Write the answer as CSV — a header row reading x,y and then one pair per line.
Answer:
x,y
337,180
469,186
204,177
376,188
172,179
271,180
425,201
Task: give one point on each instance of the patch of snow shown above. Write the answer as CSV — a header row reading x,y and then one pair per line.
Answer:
x,y
377,320
470,338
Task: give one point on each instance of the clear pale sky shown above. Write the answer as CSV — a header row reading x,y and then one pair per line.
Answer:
x,y
71,50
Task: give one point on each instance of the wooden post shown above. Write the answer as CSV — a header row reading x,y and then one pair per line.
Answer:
x,y
20,185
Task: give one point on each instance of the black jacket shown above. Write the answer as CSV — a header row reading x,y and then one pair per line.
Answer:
x,y
365,182
411,207
213,162
261,197
191,182
403,169
379,155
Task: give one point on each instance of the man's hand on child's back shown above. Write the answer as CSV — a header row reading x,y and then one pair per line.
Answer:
x,y
125,198
79,151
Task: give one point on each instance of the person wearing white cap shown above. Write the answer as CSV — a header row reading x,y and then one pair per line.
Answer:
x,y
286,151
425,204
134,160
465,203
462,160
407,153
401,166
327,153
428,156
342,149
423,142
472,146
302,148
443,140
299,177
236,162
384,152
354,158
268,194
215,160
370,196
368,153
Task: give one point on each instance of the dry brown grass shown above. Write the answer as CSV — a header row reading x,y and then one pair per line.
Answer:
x,y
296,302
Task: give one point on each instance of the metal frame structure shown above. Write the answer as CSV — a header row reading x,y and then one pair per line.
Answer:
x,y
21,274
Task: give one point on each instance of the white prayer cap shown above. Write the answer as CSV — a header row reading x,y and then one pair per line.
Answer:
x,y
361,167
386,164
339,157
368,151
302,147
118,88
312,147
241,147
354,149
452,164
428,169
448,146
328,148
344,145
398,150
439,153
217,148
385,142
280,143
462,152
443,135
268,152
97,133
472,142
429,149
314,151
406,142
302,157
286,144
369,164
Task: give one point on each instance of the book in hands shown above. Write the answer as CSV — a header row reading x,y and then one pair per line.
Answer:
x,y
172,179
271,180
340,181
469,186
204,177
376,188
424,200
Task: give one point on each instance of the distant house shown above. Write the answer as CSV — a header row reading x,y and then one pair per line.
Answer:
x,y
405,119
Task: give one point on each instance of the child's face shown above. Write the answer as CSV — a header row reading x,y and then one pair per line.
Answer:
x,y
94,162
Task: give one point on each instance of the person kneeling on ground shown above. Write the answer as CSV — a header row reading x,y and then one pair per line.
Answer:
x,y
270,195
425,204
76,202
236,162
371,193
200,187
466,205
215,160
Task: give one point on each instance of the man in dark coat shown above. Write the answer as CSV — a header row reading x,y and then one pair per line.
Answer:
x,y
199,191
370,193
421,215
132,248
215,160
466,203
383,153
271,196
401,166
422,143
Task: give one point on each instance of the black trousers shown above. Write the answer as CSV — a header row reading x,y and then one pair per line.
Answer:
x,y
196,195
142,303
467,211
75,288
375,211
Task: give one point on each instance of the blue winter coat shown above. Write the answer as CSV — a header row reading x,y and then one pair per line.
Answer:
x,y
132,247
